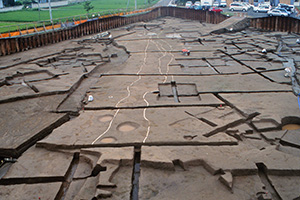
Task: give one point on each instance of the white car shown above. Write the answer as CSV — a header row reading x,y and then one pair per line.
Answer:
x,y
247,4
238,6
223,3
216,4
188,4
284,10
172,4
262,8
289,8
206,5
277,12
197,3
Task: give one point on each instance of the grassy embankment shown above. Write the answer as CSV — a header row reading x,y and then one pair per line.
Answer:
x,y
28,16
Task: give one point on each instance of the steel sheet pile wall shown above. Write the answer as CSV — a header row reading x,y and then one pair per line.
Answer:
x,y
203,16
284,24
17,44
22,43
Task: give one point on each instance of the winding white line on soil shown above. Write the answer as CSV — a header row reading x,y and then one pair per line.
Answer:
x,y
168,65
144,115
163,55
110,123
161,48
128,94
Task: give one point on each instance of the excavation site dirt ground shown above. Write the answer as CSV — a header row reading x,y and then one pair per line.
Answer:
x,y
126,115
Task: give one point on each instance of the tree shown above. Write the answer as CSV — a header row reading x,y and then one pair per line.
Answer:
x,y
8,3
87,6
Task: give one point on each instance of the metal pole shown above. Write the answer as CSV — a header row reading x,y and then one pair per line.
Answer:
x,y
39,10
135,4
50,11
127,5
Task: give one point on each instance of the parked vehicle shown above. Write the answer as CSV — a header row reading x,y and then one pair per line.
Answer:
x,y
197,3
247,4
264,4
284,10
172,4
206,5
198,7
216,4
238,6
216,9
188,4
223,4
267,3
262,8
192,6
276,12
289,8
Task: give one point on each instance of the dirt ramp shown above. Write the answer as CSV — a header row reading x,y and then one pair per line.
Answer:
x,y
233,24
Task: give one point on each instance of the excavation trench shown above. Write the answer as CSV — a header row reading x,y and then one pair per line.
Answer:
x,y
68,178
249,67
211,66
262,173
134,194
175,92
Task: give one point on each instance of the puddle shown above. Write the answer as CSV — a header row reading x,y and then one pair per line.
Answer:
x,y
108,140
291,127
127,126
105,118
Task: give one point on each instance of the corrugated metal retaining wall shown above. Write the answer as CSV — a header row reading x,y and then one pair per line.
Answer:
x,y
284,24
18,44
26,42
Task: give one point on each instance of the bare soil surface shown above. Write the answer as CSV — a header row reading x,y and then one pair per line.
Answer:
x,y
129,116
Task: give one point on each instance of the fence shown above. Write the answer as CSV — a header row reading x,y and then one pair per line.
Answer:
x,y
22,43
